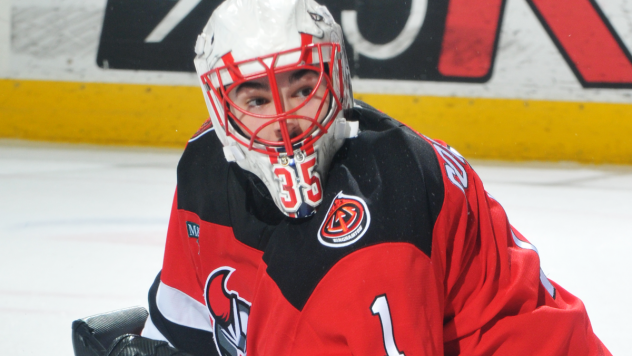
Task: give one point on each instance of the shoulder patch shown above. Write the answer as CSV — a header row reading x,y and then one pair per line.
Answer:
x,y
206,127
193,230
347,220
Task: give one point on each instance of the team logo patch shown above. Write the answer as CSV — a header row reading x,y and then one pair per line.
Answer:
x,y
229,313
346,222
193,230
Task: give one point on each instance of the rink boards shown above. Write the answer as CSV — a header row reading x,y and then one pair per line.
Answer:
x,y
152,115
511,86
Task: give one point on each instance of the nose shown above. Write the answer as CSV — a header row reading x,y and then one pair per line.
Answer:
x,y
293,129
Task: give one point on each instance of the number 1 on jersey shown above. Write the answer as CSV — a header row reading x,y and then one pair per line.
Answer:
x,y
380,307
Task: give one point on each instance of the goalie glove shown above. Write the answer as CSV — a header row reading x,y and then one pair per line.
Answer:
x,y
134,345
92,335
115,334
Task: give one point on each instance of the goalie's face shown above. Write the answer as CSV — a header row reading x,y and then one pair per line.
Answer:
x,y
279,115
295,99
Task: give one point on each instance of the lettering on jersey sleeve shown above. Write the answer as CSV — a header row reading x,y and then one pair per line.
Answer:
x,y
454,165
229,313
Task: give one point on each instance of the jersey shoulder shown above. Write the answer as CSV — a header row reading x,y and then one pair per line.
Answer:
x,y
400,154
408,150
393,137
202,171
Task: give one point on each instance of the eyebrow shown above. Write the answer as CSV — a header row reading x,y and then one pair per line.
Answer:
x,y
252,85
300,73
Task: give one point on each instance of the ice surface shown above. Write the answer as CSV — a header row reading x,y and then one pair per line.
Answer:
x,y
82,231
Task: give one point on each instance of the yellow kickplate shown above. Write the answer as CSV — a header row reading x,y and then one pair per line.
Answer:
x,y
122,114
509,129
156,115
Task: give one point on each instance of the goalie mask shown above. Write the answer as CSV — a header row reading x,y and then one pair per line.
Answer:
x,y
276,83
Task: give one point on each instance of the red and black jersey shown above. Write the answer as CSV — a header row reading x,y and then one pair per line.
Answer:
x,y
406,255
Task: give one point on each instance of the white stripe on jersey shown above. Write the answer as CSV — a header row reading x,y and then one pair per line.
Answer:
x,y
179,308
202,134
150,331
527,246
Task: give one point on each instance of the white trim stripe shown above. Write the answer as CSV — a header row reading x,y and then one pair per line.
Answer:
x,y
202,134
181,309
547,284
150,331
523,244
527,246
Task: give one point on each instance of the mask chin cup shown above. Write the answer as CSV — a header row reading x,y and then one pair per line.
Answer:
x,y
345,129
233,153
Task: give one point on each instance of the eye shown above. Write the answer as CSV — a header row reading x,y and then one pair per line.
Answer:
x,y
255,102
304,92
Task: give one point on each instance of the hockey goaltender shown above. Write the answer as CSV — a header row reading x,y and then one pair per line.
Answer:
x,y
307,223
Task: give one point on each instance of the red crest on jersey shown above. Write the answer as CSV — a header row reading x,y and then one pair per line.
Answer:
x,y
229,313
346,222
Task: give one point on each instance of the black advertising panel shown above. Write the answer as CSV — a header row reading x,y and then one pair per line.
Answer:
x,y
128,23
425,40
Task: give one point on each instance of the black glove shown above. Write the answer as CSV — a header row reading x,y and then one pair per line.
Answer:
x,y
91,336
134,345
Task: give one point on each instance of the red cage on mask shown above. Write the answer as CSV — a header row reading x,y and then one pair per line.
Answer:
x,y
322,58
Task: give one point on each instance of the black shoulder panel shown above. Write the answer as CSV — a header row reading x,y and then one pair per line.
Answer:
x,y
222,193
202,172
395,172
194,341
253,214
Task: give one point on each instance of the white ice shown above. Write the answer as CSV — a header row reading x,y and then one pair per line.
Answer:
x,y
82,231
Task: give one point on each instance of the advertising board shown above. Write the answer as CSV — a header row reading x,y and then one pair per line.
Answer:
x,y
508,79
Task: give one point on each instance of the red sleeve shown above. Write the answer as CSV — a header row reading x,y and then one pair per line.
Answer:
x,y
194,251
196,247
497,299
176,303
180,265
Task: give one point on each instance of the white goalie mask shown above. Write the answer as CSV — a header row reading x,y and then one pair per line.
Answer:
x,y
276,83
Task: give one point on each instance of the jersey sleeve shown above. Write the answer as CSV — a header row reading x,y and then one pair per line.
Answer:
x,y
176,305
497,299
